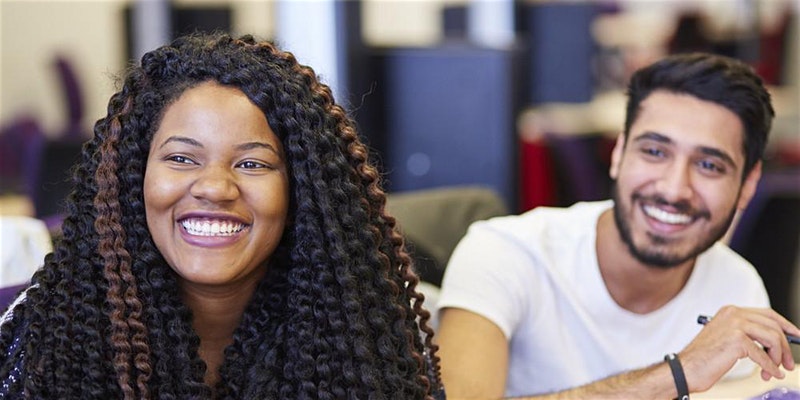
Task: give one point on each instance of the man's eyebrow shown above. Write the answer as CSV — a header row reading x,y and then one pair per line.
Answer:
x,y
182,139
653,136
240,147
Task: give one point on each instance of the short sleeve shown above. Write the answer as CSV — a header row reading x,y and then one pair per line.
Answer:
x,y
491,275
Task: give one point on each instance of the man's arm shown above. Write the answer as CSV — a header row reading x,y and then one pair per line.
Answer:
x,y
474,355
474,362
733,333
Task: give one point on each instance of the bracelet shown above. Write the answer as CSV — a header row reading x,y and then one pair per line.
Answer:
x,y
678,376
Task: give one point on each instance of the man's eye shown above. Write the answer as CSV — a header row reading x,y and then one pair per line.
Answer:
x,y
711,166
652,151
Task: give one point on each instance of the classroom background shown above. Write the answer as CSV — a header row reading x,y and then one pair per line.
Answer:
x,y
471,108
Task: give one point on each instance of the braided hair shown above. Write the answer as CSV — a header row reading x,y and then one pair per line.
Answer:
x,y
336,316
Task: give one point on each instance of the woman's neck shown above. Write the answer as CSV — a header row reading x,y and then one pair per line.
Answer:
x,y
216,315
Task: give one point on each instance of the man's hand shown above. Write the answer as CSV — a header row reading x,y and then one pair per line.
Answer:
x,y
734,333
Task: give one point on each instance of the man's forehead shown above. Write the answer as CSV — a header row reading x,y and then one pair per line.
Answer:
x,y
688,121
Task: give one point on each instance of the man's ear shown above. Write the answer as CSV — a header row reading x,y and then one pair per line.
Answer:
x,y
749,186
616,156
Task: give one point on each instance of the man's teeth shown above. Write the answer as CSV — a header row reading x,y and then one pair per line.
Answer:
x,y
211,227
666,217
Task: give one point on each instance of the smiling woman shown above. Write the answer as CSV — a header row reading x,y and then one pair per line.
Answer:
x,y
226,238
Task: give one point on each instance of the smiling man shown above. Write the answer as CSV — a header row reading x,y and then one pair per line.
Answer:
x,y
595,300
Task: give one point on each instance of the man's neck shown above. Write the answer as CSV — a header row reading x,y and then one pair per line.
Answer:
x,y
634,286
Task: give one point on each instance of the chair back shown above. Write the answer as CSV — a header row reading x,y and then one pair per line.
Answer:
x,y
433,221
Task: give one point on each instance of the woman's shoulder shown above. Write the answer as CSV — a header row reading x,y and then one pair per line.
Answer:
x,y
12,319
11,311
437,389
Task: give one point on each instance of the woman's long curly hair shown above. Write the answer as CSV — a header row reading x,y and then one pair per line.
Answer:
x,y
337,316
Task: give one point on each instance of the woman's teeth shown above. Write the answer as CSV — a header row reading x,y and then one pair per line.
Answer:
x,y
211,227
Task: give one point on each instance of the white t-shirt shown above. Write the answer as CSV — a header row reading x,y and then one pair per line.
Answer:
x,y
24,241
537,278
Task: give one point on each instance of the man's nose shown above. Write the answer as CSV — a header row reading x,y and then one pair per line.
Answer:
x,y
675,183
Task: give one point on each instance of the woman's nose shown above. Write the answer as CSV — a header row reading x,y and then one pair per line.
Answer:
x,y
216,184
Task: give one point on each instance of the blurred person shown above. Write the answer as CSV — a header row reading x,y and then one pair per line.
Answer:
x,y
586,301
226,238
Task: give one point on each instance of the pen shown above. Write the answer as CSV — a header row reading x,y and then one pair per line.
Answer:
x,y
702,319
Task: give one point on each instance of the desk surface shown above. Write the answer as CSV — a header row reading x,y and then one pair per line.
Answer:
x,y
750,386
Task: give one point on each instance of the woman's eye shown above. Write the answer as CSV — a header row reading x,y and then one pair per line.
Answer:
x,y
180,159
249,164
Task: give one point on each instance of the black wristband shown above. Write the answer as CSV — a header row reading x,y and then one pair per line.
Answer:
x,y
678,376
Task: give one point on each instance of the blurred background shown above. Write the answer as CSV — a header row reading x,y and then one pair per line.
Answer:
x,y
521,98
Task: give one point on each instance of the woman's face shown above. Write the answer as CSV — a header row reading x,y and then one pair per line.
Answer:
x,y
216,188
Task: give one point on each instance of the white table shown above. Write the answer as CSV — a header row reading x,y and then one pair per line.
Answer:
x,y
750,386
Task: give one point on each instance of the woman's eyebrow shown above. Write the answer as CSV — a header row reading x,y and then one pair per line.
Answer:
x,y
182,139
256,145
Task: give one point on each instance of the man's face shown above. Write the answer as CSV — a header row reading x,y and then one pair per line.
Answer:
x,y
678,178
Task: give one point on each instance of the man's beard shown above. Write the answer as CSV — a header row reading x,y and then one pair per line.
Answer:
x,y
663,259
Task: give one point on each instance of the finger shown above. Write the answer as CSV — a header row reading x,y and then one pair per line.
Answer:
x,y
788,358
786,327
784,324
772,340
765,375
757,354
